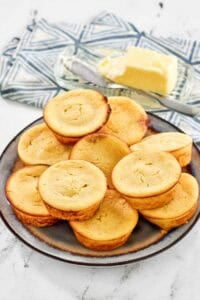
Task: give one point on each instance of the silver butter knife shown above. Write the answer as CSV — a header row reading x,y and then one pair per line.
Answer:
x,y
89,74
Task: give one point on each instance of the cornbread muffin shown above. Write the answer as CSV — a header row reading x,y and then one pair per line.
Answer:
x,y
101,149
76,113
110,227
22,192
151,202
38,145
72,189
127,120
180,209
145,173
176,143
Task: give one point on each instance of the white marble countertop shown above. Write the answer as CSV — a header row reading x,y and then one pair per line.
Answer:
x,y
28,275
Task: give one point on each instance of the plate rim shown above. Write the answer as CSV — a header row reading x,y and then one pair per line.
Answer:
x,y
102,264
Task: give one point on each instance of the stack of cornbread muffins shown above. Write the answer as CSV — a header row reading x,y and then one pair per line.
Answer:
x,y
92,164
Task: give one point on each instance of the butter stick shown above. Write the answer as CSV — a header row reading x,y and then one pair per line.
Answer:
x,y
142,69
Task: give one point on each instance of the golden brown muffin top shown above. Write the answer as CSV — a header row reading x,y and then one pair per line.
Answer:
x,y
115,218
77,113
38,145
22,190
128,119
165,141
144,173
72,185
103,150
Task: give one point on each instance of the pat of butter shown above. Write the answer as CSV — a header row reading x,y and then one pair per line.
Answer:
x,y
142,69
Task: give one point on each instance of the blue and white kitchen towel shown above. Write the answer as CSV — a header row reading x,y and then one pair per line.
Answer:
x,y
27,62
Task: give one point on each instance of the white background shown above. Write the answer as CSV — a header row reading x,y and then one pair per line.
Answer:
x,y
26,275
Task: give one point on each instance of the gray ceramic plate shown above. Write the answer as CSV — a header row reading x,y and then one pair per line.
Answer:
x,y
59,242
